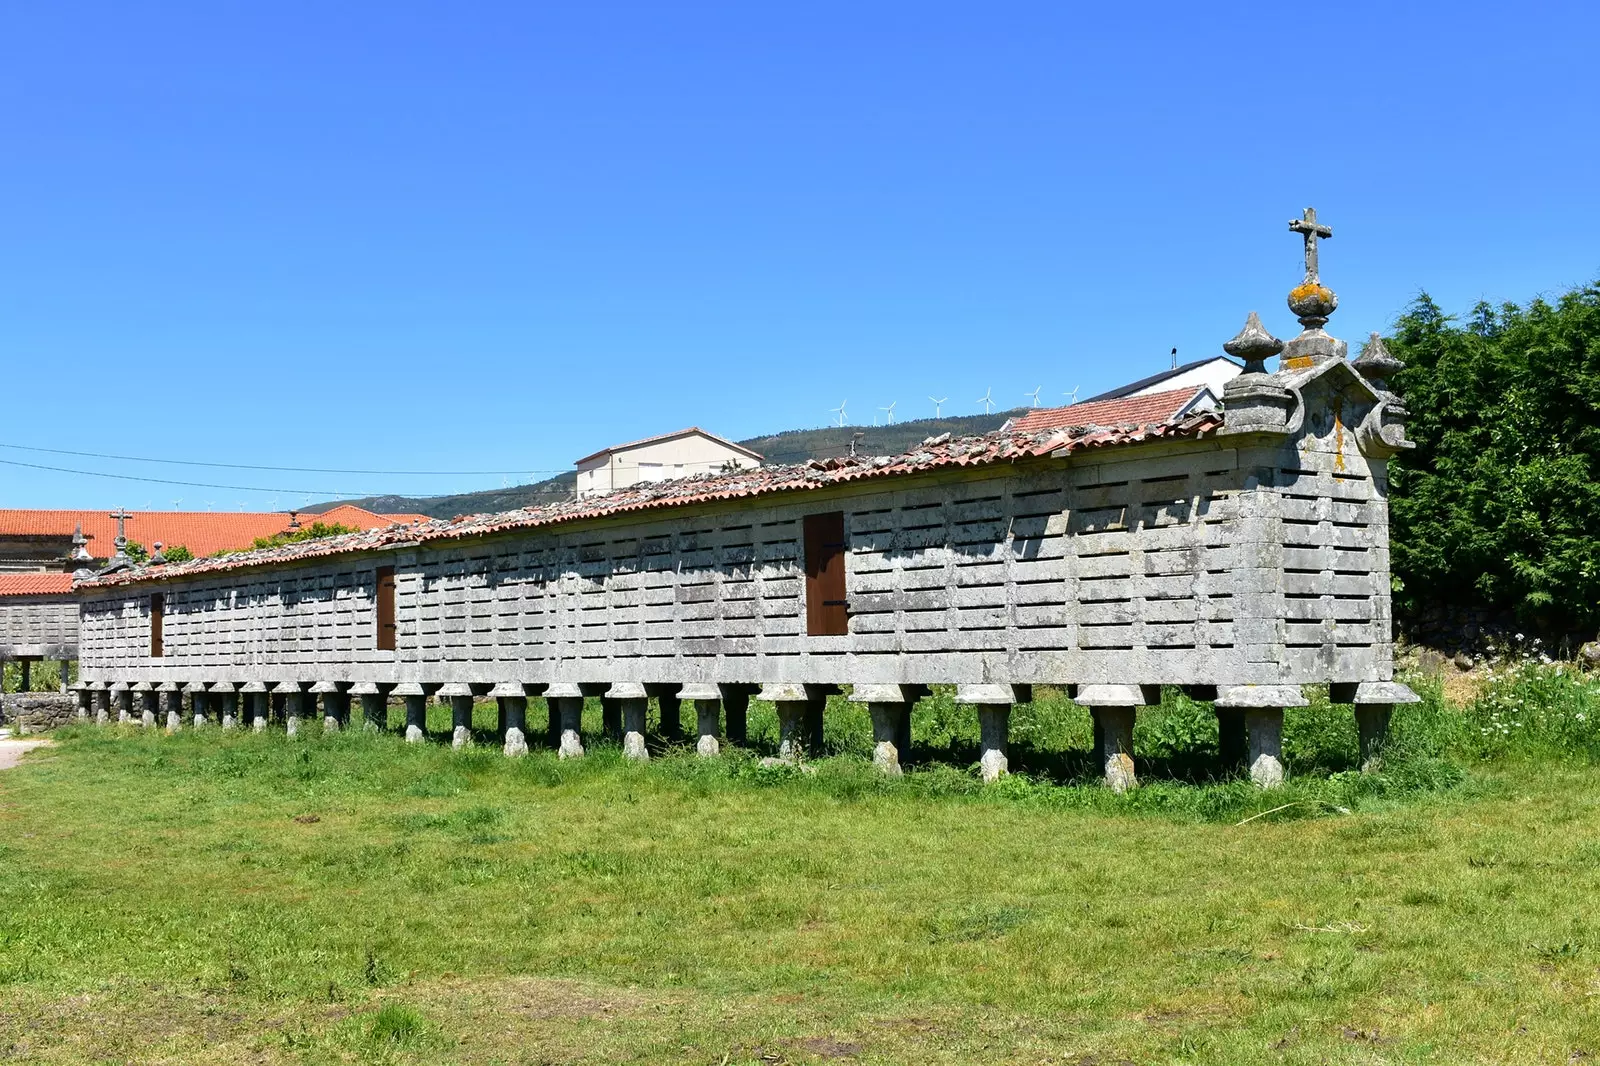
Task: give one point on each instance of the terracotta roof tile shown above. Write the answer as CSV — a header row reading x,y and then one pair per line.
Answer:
x,y
35,584
1129,411
932,454
202,532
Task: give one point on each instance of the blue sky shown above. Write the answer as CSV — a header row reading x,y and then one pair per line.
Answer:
x,y
484,236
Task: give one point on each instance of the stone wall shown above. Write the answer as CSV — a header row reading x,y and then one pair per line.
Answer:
x,y
36,712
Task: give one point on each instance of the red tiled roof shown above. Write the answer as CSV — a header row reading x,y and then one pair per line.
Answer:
x,y
35,584
932,454
1128,411
202,532
348,514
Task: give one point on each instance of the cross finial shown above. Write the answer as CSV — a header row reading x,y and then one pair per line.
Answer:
x,y
1308,227
121,515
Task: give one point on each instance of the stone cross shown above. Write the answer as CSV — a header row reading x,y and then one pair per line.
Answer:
x,y
1308,228
121,515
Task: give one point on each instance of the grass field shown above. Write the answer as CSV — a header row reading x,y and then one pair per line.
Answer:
x,y
349,898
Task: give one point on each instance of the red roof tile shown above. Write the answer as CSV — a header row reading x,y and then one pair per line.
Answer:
x,y
1128,411
35,584
932,454
202,532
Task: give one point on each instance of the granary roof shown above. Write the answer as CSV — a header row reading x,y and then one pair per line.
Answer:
x,y
932,454
202,532
1143,384
35,584
674,435
1132,410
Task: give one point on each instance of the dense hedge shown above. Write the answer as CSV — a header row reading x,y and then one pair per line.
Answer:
x,y
1499,506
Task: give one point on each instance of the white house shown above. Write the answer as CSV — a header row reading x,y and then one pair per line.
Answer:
x,y
670,455
1212,374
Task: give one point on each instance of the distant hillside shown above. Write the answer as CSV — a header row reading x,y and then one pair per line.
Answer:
x,y
790,446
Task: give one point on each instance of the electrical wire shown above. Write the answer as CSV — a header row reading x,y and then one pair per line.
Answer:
x,y
276,469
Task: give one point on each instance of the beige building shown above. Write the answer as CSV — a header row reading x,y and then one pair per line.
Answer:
x,y
671,455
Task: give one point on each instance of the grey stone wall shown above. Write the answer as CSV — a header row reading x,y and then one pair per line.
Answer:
x,y
1222,561
44,627
36,712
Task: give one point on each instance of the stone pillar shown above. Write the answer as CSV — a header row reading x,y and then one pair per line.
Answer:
x,y
993,704
1263,723
735,711
27,675
294,705
890,708
328,693
147,704
632,703
227,703
64,668
707,703
172,701
816,707
1114,708
460,697
122,694
416,711
790,701
102,702
80,691
1374,705
513,702
199,702
374,706
256,704
566,702
671,704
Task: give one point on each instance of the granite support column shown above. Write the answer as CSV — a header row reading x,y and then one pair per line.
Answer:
x,y
1263,723
460,697
566,703
255,704
993,706
294,706
121,694
172,702
416,700
199,703
374,706
102,703
227,704
633,705
512,700
707,703
147,704
790,702
1114,709
890,709
84,697
1374,706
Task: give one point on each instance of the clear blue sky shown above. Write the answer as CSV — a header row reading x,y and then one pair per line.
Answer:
x,y
501,235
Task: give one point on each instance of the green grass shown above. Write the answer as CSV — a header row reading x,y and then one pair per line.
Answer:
x,y
351,898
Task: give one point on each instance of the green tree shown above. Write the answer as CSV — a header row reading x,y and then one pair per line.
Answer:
x,y
1499,505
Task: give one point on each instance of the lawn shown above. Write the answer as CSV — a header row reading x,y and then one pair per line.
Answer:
x,y
350,898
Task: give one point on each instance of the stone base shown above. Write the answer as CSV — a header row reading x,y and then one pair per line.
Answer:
x,y
414,734
571,745
516,743
460,738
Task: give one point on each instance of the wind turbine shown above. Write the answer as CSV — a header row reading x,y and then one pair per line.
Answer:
x,y
176,502
938,406
1072,397
987,400
839,410
890,412
210,504
1034,395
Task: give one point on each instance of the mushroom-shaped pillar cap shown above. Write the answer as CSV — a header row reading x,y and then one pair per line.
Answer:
x,y
626,690
699,690
365,688
409,688
455,690
563,690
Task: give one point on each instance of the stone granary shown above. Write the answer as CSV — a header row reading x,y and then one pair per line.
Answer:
x,y
1243,553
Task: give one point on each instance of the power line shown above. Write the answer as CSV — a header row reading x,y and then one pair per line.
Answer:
x,y
192,484
277,469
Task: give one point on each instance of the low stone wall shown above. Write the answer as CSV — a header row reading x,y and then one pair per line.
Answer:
x,y
37,712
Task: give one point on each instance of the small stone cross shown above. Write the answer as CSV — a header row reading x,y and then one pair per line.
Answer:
x,y
121,515
1308,228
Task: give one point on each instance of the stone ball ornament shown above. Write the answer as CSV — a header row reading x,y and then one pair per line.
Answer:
x,y
1312,302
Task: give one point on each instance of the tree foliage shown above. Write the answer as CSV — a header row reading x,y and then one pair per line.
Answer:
x,y
315,531
1499,505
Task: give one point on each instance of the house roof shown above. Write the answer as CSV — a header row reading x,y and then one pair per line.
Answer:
x,y
658,438
932,454
1132,411
1155,379
35,584
202,532
348,514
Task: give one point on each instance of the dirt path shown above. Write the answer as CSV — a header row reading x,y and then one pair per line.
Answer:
x,y
11,751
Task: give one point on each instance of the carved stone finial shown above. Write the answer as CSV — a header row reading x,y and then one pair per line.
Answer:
x,y
80,549
156,557
1312,302
121,542
1254,345
1377,365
